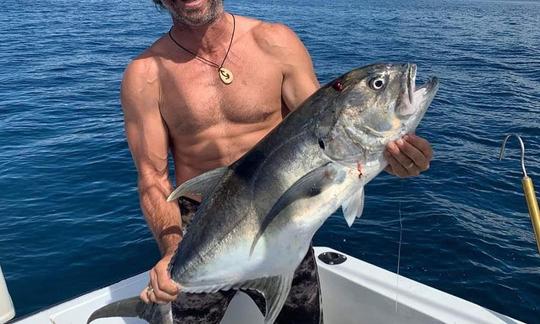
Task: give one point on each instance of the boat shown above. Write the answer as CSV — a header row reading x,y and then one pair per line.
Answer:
x,y
353,292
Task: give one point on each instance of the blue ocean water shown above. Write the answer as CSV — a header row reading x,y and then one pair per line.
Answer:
x,y
70,220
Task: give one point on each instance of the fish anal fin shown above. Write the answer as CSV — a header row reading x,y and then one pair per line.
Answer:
x,y
275,291
200,185
311,184
353,206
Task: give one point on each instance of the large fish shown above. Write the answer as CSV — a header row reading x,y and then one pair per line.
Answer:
x,y
259,215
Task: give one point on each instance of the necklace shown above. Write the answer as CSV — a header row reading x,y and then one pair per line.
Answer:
x,y
225,75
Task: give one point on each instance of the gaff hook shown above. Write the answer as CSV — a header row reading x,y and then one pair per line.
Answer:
x,y
528,190
501,154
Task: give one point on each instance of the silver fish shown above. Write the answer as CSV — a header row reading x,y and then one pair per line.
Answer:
x,y
259,215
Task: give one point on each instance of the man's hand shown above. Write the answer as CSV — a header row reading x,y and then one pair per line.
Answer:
x,y
161,288
408,156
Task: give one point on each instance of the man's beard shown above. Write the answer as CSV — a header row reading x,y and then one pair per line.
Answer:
x,y
195,17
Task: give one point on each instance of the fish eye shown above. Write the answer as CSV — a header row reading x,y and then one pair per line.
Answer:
x,y
377,83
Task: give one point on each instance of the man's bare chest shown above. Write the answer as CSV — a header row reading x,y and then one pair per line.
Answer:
x,y
194,98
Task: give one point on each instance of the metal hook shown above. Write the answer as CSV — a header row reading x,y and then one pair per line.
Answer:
x,y
501,154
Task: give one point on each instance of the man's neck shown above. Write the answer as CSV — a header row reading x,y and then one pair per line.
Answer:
x,y
208,38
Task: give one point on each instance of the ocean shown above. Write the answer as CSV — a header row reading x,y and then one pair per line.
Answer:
x,y
70,218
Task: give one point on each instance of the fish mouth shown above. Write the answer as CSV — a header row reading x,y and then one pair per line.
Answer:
x,y
425,93
413,98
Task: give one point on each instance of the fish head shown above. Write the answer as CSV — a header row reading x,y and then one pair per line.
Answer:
x,y
370,107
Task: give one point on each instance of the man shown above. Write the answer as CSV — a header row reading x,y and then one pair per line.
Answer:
x,y
176,96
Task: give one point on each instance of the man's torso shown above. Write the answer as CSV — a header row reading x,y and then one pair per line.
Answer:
x,y
211,124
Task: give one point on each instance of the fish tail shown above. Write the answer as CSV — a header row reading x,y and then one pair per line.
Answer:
x,y
135,307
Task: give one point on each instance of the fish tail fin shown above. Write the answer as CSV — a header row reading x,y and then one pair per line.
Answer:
x,y
274,290
135,307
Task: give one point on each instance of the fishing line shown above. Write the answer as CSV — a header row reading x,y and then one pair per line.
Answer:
x,y
399,245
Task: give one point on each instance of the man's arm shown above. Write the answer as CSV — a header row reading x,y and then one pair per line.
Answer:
x,y
299,80
148,142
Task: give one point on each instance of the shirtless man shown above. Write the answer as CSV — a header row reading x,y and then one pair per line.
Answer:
x,y
173,100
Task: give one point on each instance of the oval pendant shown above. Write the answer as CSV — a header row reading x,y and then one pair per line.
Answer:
x,y
225,75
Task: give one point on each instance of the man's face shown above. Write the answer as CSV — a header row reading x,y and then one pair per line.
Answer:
x,y
194,13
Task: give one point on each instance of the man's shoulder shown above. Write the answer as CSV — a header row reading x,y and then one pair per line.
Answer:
x,y
270,37
146,64
141,80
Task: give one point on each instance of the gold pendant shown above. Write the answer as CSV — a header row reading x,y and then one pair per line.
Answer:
x,y
225,75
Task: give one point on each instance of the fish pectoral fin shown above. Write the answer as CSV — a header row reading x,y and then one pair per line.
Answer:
x,y
135,307
353,206
311,184
275,291
200,185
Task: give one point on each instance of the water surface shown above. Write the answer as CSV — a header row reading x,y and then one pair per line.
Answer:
x,y
70,216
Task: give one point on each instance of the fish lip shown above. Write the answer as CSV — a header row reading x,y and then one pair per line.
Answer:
x,y
406,106
430,87
411,76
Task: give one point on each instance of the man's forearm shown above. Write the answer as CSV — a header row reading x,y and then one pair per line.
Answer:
x,y
162,217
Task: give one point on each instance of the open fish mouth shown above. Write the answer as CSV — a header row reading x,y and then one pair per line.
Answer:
x,y
417,95
413,98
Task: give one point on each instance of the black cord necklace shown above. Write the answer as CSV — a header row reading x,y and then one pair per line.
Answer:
x,y
225,75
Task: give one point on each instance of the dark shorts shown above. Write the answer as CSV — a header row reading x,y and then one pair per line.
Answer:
x,y
303,305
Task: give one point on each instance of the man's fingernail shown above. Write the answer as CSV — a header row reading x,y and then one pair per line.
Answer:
x,y
406,137
392,147
400,141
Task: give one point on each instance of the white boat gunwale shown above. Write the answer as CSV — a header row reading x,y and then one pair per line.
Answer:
x,y
353,292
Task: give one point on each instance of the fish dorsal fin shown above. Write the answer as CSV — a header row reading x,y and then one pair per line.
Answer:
x,y
353,206
275,291
311,184
200,185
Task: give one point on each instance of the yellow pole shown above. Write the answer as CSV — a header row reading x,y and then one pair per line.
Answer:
x,y
532,203
528,190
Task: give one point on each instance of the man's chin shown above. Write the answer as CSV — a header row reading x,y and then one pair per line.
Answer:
x,y
195,16
191,21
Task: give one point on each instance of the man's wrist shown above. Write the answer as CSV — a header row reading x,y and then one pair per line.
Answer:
x,y
169,251
169,240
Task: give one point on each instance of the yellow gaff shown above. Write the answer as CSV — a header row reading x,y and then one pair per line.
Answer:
x,y
528,189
